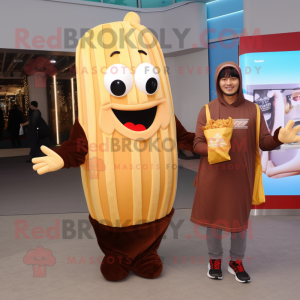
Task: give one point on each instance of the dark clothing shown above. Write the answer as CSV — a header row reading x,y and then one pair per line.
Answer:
x,y
33,124
185,139
1,124
223,197
15,140
32,134
15,118
74,150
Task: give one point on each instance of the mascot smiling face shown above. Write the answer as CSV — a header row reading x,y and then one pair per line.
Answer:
x,y
126,110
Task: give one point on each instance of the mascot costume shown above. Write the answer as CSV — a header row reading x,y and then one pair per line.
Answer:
x,y
125,141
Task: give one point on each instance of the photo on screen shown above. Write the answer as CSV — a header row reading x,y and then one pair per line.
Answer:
x,y
278,107
265,74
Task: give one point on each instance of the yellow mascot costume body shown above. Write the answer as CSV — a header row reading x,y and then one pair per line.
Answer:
x,y
125,142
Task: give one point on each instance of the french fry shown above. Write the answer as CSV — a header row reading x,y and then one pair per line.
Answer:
x,y
220,123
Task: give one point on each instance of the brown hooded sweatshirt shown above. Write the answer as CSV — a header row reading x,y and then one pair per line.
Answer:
x,y
223,197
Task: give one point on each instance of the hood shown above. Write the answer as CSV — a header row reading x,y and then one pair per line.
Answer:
x,y
240,100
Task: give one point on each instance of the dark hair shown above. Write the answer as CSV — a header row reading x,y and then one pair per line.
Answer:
x,y
228,72
15,106
34,103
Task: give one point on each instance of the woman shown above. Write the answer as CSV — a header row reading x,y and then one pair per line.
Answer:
x,y
32,132
15,118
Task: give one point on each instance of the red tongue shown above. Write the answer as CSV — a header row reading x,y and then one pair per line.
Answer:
x,y
138,127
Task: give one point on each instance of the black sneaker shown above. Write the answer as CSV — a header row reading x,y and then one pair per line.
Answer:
x,y
236,268
214,269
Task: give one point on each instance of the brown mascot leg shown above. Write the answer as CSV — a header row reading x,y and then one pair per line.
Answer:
x,y
133,247
115,267
148,265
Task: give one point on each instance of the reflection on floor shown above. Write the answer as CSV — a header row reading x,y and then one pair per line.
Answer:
x,y
272,260
14,152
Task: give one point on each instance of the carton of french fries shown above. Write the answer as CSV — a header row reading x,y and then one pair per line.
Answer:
x,y
221,123
218,135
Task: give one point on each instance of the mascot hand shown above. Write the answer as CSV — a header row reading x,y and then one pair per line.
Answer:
x,y
50,163
288,134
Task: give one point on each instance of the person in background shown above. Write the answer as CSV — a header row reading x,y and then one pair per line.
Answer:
x,y
21,113
15,118
1,124
32,132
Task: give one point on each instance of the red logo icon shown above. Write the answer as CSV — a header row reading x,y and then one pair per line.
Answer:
x,y
39,258
40,68
94,165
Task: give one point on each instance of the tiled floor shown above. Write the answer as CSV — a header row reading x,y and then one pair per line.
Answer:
x,y
24,192
272,260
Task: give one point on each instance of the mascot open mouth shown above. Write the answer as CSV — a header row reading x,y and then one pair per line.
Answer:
x,y
138,120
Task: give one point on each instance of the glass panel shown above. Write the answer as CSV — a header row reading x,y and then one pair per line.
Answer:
x,y
226,25
155,3
223,7
131,3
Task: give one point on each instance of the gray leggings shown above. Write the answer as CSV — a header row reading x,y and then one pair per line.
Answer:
x,y
214,244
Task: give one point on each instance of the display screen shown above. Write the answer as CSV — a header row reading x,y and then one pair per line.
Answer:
x,y
272,80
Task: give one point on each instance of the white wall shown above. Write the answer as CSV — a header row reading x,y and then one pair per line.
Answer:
x,y
44,18
271,16
38,94
190,91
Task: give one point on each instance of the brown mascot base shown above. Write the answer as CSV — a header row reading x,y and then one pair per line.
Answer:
x,y
131,248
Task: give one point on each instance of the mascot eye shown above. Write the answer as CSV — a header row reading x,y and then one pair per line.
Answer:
x,y
118,80
146,78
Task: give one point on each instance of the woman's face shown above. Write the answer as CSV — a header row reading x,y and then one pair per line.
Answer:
x,y
295,100
229,85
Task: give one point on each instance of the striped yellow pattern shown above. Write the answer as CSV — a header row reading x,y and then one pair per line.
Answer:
x,y
124,187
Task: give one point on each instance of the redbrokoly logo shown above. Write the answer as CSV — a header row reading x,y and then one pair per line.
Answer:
x,y
240,123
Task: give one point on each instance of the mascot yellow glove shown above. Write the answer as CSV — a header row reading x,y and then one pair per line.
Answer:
x,y
50,163
288,134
